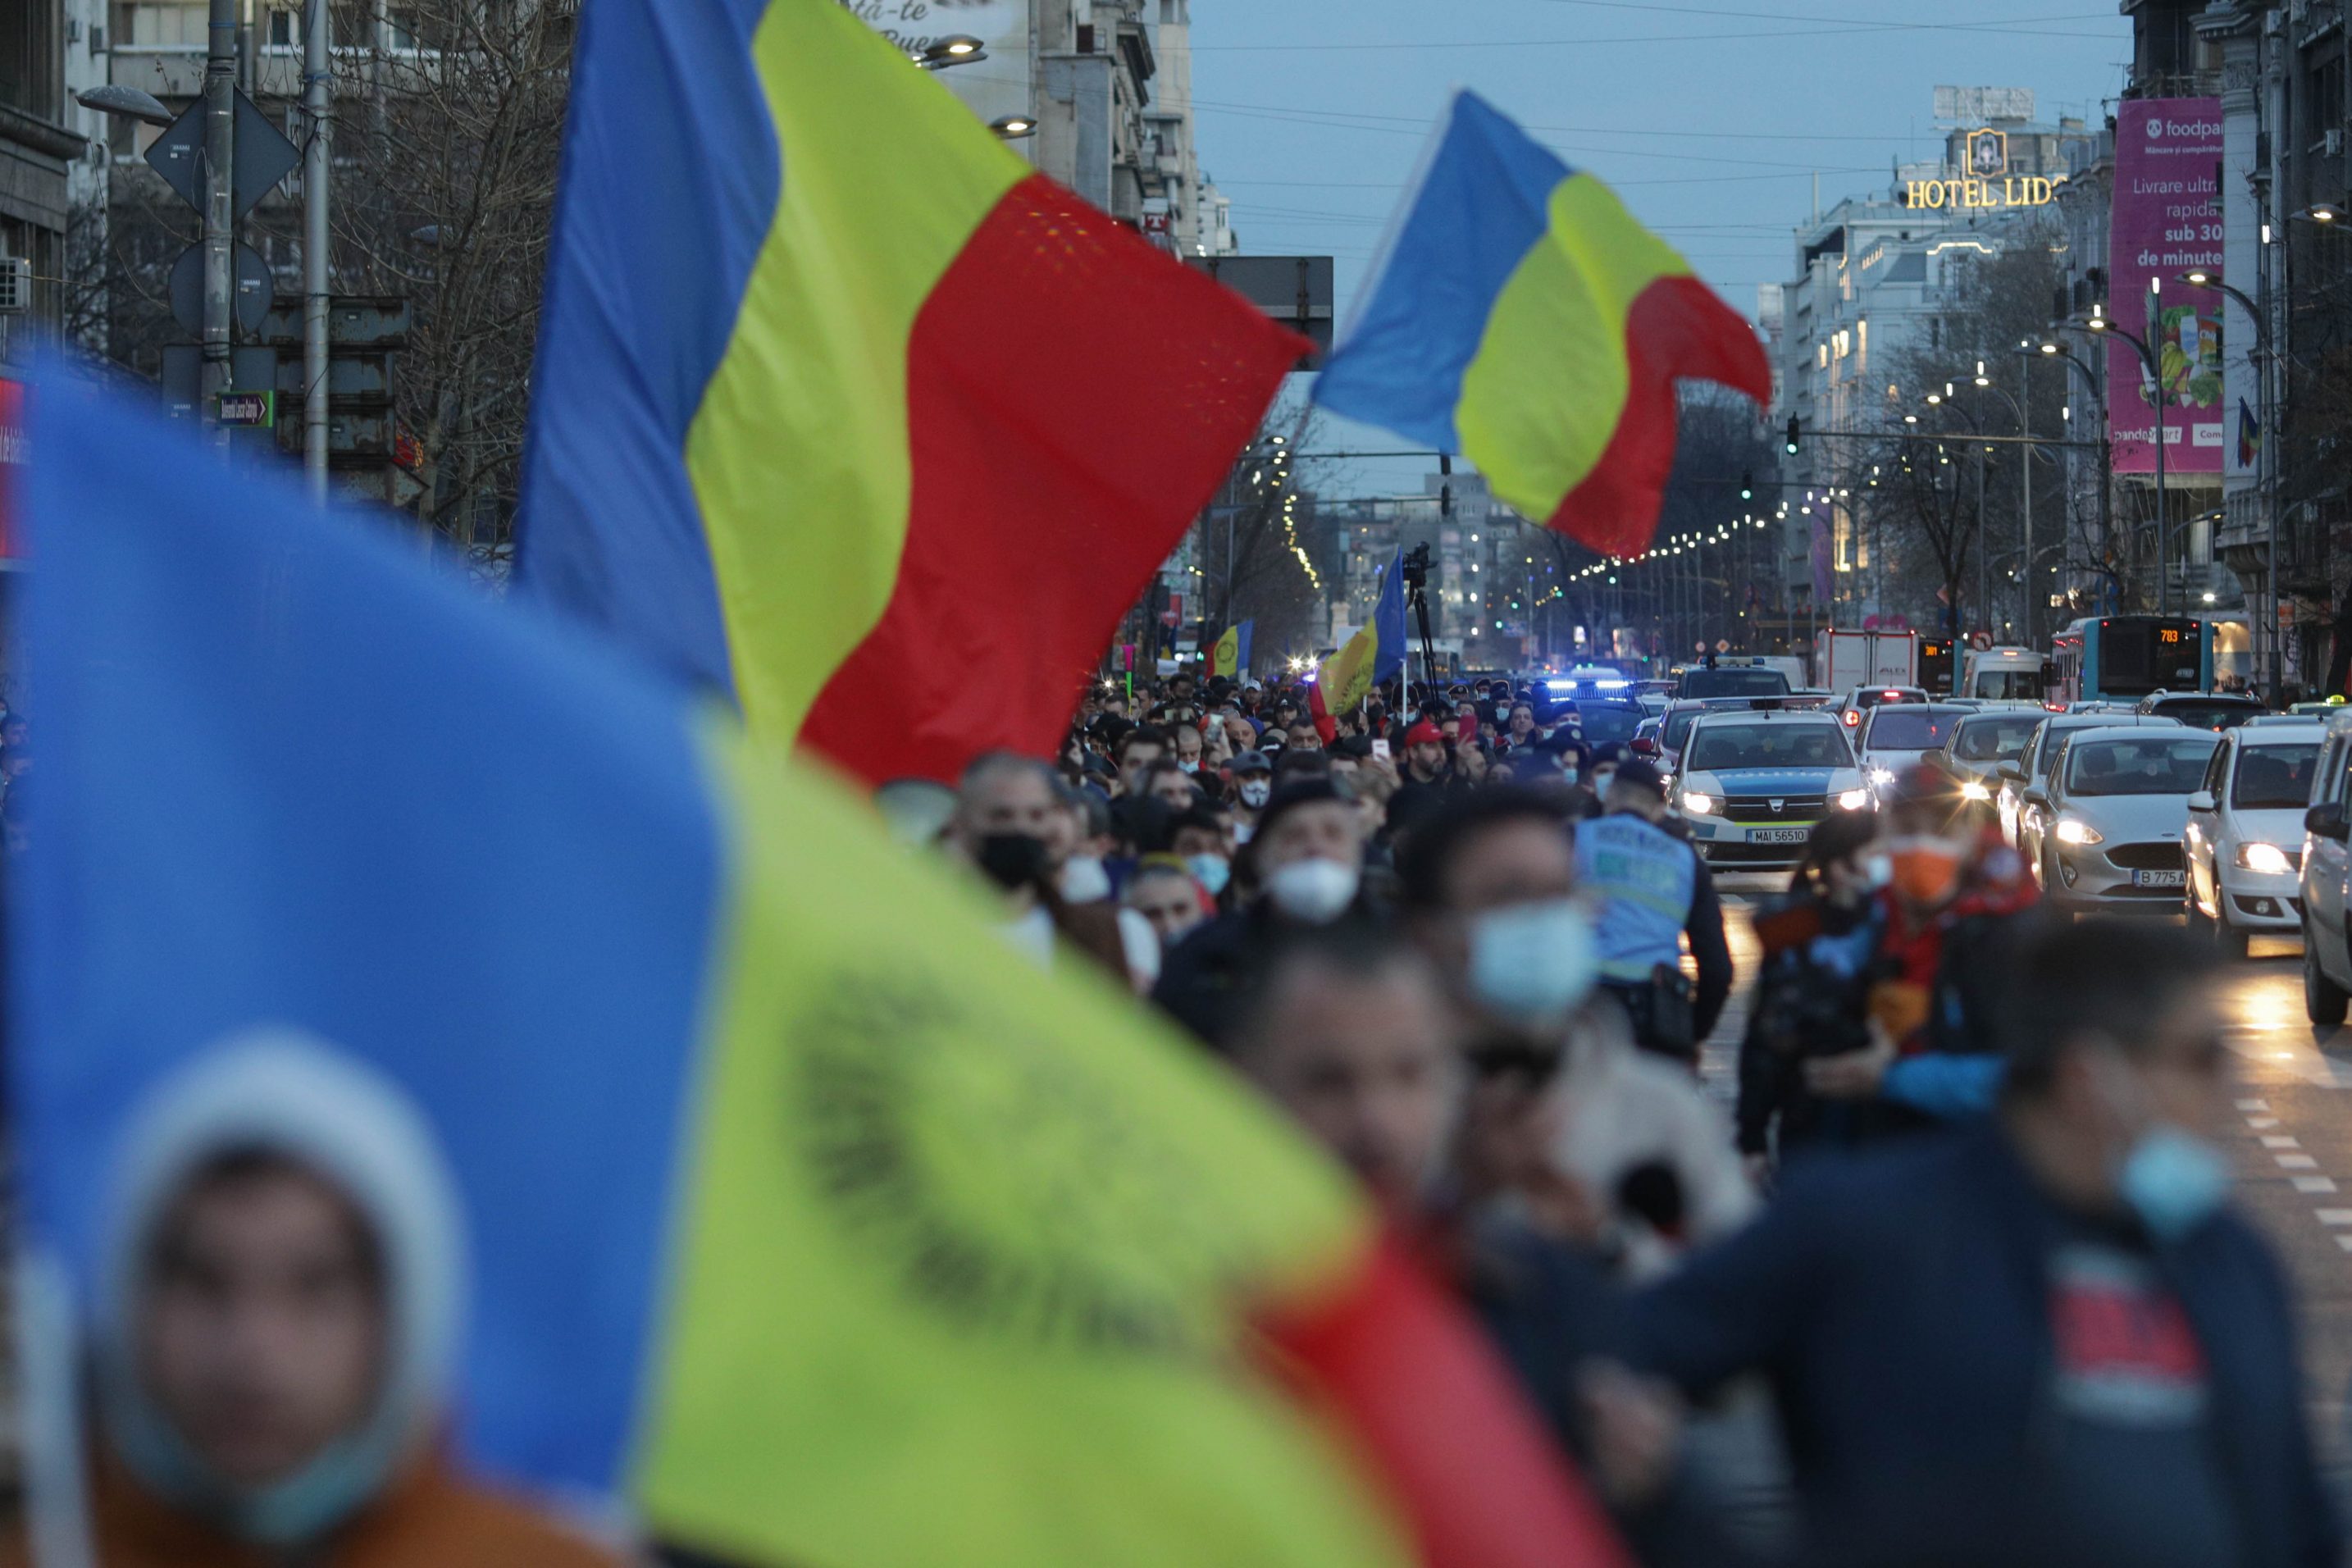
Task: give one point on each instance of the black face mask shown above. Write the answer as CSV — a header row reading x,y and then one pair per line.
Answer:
x,y
1012,860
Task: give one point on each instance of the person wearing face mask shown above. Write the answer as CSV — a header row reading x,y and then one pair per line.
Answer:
x,y
2049,1339
1959,906
1305,863
1252,781
1198,839
1490,886
1656,891
1821,947
1188,749
1011,824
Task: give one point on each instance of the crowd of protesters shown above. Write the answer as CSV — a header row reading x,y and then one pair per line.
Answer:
x,y
1948,1276
1954,1282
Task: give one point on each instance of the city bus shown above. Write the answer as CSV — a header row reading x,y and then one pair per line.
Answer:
x,y
2124,657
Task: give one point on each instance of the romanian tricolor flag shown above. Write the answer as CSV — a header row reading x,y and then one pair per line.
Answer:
x,y
1231,657
1520,317
844,412
805,1217
1372,657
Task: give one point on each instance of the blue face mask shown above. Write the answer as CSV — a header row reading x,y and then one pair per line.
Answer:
x,y
2174,1181
1533,965
1212,871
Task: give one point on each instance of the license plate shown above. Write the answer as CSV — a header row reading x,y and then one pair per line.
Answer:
x,y
1779,835
2159,878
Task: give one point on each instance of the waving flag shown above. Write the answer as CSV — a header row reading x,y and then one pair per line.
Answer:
x,y
724,1076
1232,656
1372,658
1519,316
833,390
2250,436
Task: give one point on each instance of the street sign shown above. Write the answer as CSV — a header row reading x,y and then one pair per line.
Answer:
x,y
1296,290
184,370
1980,640
251,292
264,156
245,410
1723,645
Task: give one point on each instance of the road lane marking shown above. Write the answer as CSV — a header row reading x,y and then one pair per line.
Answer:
x,y
2282,1141
2253,1105
2315,1184
2345,1242
2334,1217
2295,1161
2262,1123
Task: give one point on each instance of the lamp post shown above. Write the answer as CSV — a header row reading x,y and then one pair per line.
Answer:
x,y
2056,350
2025,481
1984,585
2267,476
2100,325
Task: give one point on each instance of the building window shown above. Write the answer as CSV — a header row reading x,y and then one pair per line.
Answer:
x,y
161,25
30,57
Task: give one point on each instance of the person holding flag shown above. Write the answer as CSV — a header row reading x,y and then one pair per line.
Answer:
x,y
1372,658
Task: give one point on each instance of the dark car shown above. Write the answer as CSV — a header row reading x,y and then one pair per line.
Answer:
x,y
2214,710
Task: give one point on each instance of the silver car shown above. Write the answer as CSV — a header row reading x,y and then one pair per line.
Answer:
x,y
2026,776
2115,809
2245,832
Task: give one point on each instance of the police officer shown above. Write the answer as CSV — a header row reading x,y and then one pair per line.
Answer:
x,y
1656,891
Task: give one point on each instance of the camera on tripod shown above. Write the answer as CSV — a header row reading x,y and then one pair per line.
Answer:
x,y
1416,567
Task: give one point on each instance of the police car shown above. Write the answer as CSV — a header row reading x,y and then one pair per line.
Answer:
x,y
1752,784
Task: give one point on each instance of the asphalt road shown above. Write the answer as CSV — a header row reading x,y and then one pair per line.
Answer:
x,y
2291,1136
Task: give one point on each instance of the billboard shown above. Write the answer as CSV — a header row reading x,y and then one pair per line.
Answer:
x,y
2167,219
995,87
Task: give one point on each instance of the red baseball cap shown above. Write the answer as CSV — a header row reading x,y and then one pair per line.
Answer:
x,y
1424,734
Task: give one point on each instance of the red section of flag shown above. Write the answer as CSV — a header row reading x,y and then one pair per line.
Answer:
x,y
13,458
1074,399
1677,330
1458,1454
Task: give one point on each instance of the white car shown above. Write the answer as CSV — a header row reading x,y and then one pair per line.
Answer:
x,y
2025,776
1896,735
1753,784
2115,809
2245,832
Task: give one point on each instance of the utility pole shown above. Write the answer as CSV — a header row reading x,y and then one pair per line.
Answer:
x,y
2025,475
220,201
318,173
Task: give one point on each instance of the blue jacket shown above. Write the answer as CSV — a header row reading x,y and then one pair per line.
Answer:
x,y
1900,1304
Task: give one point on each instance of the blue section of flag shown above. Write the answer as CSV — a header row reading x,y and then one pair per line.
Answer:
x,y
666,195
1242,649
1388,623
292,778
1481,204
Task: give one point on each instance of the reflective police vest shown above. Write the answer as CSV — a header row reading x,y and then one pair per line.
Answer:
x,y
1647,878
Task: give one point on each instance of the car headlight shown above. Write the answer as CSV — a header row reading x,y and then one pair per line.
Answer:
x,y
1854,800
1698,804
2267,858
2072,830
1975,790
1882,775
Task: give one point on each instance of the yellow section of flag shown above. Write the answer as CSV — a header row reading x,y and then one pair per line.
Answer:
x,y
961,1246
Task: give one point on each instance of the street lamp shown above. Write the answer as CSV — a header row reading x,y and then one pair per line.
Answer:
x,y
1013,126
127,101
2322,211
957,50
2203,278
2100,324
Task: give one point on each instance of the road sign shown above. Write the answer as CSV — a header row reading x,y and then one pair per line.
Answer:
x,y
251,292
264,156
183,374
245,410
1980,640
1723,646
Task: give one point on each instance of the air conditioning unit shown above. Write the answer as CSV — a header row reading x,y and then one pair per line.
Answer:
x,y
15,285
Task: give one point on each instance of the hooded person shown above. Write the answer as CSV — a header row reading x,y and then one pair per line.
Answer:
x,y
280,1290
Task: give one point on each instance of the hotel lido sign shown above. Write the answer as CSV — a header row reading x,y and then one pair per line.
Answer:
x,y
1989,185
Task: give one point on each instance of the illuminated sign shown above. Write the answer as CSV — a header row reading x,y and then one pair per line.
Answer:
x,y
1987,194
2167,635
1987,154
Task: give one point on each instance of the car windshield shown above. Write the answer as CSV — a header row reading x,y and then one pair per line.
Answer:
x,y
1909,728
2160,764
2215,716
1993,740
2009,684
2274,778
1722,747
1734,684
1609,724
1677,727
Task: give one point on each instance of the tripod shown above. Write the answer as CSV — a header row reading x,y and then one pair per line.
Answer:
x,y
1416,590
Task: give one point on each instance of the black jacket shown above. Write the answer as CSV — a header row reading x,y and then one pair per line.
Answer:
x,y
1901,1305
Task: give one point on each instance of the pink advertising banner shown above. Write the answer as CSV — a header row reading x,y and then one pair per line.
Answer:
x,y
2167,219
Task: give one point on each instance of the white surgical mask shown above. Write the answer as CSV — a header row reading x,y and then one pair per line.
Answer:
x,y
1878,870
1533,965
1315,891
1254,793
1189,767
1601,779
1084,881
1212,871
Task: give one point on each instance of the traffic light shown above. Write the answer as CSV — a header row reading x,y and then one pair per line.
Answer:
x,y
1747,487
1794,434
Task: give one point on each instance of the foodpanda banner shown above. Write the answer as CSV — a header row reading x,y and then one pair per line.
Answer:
x,y
2167,219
